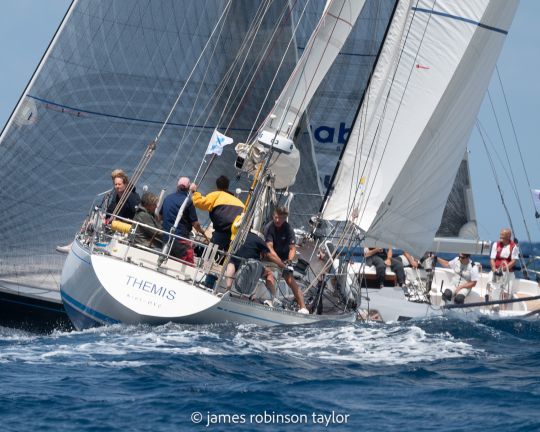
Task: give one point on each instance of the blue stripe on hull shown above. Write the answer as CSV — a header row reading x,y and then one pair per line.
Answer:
x,y
80,321
83,316
81,258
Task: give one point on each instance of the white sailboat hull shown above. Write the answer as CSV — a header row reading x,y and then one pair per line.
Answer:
x,y
391,304
98,289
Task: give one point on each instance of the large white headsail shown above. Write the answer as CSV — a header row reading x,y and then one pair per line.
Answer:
x,y
406,155
322,48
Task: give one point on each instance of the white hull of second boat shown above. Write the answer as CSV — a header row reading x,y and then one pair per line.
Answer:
x,y
390,304
98,289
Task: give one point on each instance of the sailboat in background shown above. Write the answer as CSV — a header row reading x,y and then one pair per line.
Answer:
x,y
406,147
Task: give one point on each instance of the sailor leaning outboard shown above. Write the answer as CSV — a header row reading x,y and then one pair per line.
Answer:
x,y
466,275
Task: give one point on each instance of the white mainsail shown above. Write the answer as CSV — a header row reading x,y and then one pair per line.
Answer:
x,y
412,129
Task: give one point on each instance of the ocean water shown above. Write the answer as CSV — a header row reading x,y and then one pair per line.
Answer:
x,y
431,375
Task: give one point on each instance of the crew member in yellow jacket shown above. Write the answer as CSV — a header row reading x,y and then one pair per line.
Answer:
x,y
223,207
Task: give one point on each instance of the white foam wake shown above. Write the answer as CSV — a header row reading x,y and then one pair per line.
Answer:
x,y
356,343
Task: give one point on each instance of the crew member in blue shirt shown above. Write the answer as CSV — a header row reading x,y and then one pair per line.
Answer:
x,y
181,248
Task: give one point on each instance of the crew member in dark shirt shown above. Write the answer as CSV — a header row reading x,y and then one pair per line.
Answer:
x,y
120,182
147,232
253,248
280,239
382,258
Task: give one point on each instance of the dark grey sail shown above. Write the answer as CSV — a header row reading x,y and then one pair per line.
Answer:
x,y
459,216
107,83
101,94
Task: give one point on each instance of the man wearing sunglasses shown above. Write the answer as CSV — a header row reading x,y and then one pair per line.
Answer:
x,y
466,275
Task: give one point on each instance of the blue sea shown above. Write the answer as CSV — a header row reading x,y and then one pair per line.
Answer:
x,y
430,375
441,374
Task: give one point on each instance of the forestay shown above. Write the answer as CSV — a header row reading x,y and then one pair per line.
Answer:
x,y
412,129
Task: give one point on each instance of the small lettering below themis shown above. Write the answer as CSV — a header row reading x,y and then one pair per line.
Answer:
x,y
150,287
141,299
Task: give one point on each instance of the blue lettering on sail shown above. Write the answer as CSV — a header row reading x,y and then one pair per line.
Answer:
x,y
327,134
324,134
150,287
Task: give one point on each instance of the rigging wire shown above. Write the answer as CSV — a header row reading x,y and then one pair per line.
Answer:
x,y
195,104
495,176
368,195
518,145
364,113
309,49
513,128
350,234
483,131
358,185
152,145
265,52
505,207
355,187
250,37
494,150
351,207
513,178
347,237
271,86
262,57
246,48
222,86
223,14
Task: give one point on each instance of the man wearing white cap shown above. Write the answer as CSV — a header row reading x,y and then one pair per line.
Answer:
x,y
169,210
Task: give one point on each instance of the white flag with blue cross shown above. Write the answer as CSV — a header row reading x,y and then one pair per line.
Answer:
x,y
217,142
